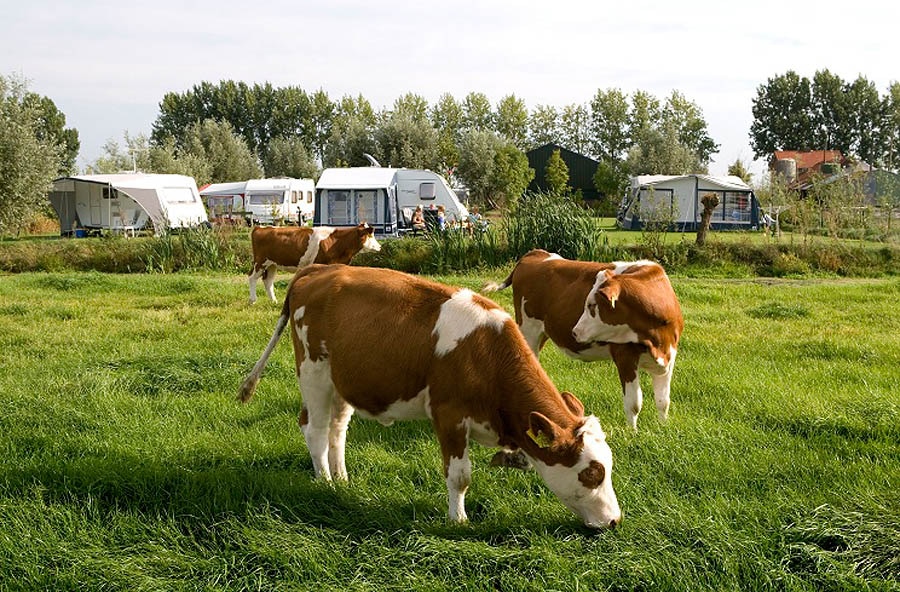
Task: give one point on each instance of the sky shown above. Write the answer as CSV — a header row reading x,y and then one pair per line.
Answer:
x,y
107,64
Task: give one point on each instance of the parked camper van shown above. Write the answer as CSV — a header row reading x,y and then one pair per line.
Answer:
x,y
126,202
385,198
279,200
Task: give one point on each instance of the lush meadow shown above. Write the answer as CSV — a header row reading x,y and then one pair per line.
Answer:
x,y
127,464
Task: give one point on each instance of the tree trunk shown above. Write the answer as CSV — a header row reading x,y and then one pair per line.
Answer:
x,y
709,201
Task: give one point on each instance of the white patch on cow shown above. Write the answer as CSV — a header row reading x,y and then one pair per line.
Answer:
x,y
532,329
419,407
481,432
298,314
459,476
459,317
597,507
621,266
370,245
312,248
553,256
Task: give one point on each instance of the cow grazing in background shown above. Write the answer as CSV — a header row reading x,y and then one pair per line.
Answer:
x,y
626,312
292,248
391,346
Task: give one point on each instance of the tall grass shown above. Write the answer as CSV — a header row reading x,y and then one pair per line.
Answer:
x,y
126,464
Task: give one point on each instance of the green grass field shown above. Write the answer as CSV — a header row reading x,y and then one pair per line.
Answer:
x,y
127,464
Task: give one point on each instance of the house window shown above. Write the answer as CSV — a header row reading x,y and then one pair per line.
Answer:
x,y
309,197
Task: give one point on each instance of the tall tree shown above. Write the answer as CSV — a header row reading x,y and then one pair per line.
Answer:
x,y
574,127
227,153
782,116
828,112
405,141
28,161
543,126
493,169
512,121
609,125
645,114
322,116
659,151
890,106
50,127
288,157
866,118
477,113
687,119
447,118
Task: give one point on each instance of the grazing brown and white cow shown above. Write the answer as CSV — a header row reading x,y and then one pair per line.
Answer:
x,y
624,311
391,346
294,248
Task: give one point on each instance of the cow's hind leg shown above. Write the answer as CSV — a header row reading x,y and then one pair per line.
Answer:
x,y
255,274
341,412
626,356
268,279
318,397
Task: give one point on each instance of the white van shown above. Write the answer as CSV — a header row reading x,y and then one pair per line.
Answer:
x,y
382,197
281,200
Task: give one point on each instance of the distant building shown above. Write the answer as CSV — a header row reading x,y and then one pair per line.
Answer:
x,y
799,168
581,169
802,169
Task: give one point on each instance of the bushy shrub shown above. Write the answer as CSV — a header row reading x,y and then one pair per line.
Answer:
x,y
554,223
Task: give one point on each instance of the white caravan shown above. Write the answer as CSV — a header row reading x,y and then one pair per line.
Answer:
x,y
279,200
126,202
383,197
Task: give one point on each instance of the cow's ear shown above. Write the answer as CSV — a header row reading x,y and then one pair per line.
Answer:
x,y
572,402
609,290
542,430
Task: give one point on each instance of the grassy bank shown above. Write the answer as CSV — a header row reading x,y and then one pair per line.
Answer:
x,y
127,465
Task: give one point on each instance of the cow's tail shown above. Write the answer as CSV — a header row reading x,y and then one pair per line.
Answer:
x,y
495,287
248,387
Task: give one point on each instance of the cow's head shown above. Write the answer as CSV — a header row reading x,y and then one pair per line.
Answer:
x,y
603,307
367,239
576,464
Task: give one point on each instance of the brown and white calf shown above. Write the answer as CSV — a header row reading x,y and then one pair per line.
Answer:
x,y
626,312
391,346
292,248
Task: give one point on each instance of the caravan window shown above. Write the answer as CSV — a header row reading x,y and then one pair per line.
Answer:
x,y
426,191
338,207
734,206
309,197
264,199
110,193
178,195
294,198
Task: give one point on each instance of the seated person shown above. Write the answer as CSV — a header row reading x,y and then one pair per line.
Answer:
x,y
418,220
476,221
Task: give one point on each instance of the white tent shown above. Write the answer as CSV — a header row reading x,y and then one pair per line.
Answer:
x,y
681,194
127,202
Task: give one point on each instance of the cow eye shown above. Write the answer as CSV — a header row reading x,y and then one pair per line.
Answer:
x,y
593,475
592,308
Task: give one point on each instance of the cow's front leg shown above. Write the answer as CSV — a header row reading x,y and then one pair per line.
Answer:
x,y
457,467
626,357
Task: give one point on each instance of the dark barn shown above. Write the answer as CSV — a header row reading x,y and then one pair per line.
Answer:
x,y
581,170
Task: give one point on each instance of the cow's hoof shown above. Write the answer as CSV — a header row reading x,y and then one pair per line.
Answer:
x,y
513,459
